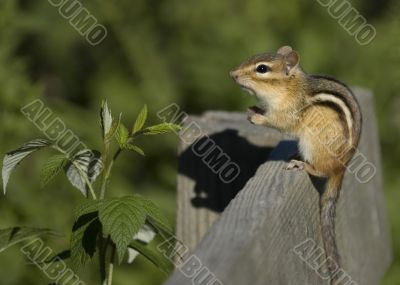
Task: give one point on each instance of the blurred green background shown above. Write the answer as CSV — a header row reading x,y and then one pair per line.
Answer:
x,y
162,52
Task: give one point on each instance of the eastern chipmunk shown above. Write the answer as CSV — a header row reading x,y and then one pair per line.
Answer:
x,y
321,112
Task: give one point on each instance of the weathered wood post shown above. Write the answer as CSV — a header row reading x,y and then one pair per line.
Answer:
x,y
257,228
202,194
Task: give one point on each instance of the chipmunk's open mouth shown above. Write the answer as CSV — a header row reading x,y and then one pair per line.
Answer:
x,y
248,90
253,109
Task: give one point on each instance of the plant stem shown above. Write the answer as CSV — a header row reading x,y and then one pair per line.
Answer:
x,y
106,277
109,165
102,259
106,150
107,173
111,267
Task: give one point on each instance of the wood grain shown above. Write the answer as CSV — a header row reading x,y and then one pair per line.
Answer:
x,y
248,236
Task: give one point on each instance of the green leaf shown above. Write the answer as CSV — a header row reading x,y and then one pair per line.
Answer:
x,y
13,158
152,255
84,239
122,135
153,213
114,128
85,163
133,148
106,119
157,223
140,120
12,236
85,231
121,218
161,129
51,168
154,216
88,206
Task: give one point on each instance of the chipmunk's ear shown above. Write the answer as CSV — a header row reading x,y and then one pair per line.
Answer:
x,y
291,58
285,50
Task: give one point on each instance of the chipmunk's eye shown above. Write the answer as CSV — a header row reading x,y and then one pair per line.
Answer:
x,y
262,68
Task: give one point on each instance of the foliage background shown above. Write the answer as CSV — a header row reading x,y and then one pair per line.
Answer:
x,y
160,52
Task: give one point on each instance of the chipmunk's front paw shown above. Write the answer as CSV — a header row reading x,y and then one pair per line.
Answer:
x,y
255,116
295,165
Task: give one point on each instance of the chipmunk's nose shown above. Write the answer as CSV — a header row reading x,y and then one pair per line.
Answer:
x,y
233,74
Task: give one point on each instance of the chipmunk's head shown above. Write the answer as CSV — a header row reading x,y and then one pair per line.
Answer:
x,y
270,77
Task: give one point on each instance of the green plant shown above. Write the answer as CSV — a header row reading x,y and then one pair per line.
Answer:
x,y
112,227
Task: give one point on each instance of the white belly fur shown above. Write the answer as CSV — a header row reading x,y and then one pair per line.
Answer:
x,y
305,149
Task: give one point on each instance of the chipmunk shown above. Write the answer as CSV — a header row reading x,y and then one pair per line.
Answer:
x,y
321,112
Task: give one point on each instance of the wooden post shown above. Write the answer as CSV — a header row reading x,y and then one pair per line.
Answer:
x,y
202,195
260,234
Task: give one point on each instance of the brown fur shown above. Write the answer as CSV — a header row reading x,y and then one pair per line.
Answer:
x,y
320,111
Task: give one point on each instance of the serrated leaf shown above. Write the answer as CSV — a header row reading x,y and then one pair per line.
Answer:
x,y
153,212
134,148
84,239
140,120
88,206
121,218
122,135
12,236
153,256
85,163
162,128
13,158
51,168
106,119
155,218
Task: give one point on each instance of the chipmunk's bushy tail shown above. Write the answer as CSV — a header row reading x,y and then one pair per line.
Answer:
x,y
328,202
